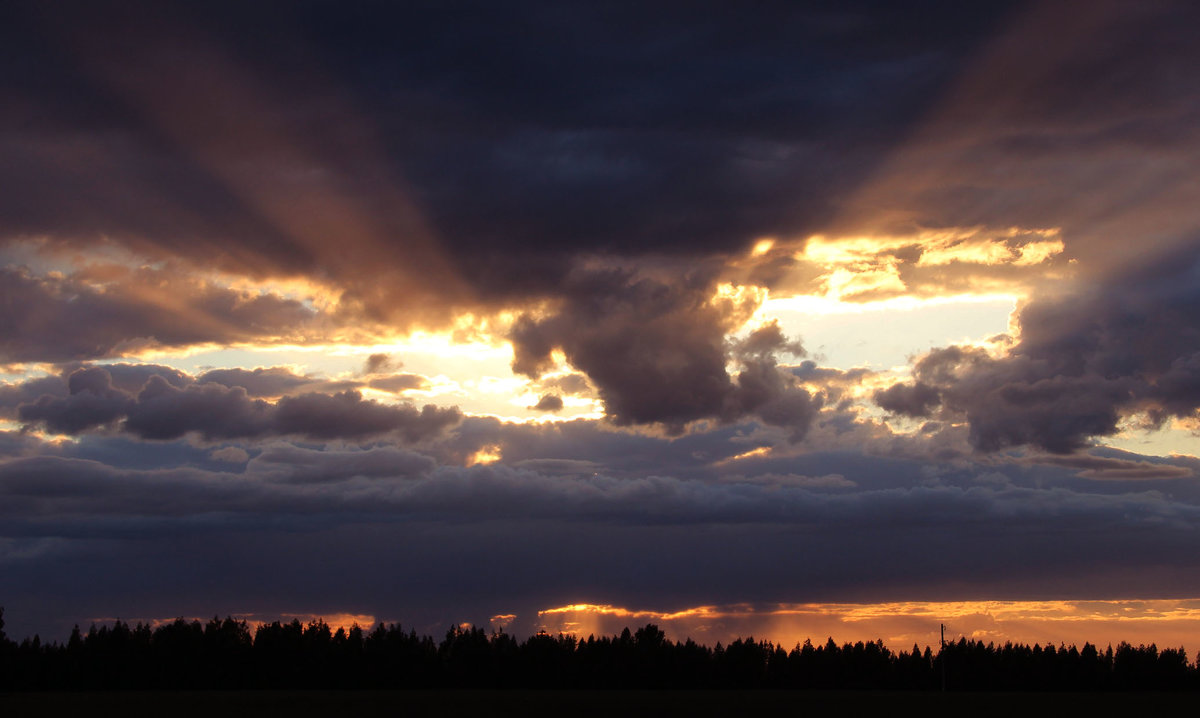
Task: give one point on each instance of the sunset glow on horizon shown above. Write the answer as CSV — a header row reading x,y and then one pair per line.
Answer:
x,y
1167,623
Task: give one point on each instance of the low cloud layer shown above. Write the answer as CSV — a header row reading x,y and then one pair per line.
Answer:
x,y
655,540
657,352
160,410
54,318
1084,362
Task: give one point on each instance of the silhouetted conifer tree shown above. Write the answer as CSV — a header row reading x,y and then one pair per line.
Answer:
x,y
223,653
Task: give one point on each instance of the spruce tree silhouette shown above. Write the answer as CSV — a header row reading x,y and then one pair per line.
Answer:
x,y
222,653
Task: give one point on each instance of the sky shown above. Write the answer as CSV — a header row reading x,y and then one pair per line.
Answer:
x,y
784,319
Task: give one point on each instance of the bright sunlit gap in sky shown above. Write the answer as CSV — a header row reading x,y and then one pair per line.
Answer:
x,y
477,375
888,334
884,335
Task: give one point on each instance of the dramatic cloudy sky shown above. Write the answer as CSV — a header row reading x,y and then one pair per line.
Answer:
x,y
793,319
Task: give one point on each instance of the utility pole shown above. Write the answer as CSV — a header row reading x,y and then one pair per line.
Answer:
x,y
943,657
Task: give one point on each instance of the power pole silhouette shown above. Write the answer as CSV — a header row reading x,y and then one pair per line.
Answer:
x,y
943,657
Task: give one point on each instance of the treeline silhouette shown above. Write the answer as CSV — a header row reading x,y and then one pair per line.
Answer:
x,y
227,654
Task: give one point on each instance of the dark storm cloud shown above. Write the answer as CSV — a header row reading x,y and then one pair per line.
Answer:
x,y
645,540
296,464
393,481
16,443
548,402
1084,362
13,395
916,400
622,453
56,318
677,128
211,410
590,446
379,363
260,382
276,381
419,161
1081,121
206,131
75,378
560,467
1110,467
92,401
397,383
767,341
810,372
130,378
573,384
161,410
656,352
347,415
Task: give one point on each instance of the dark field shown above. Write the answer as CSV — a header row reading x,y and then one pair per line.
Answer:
x,y
618,704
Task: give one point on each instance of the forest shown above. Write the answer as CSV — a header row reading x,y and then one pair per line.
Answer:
x,y
229,654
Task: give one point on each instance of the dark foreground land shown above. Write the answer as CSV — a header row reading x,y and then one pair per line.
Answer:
x,y
615,704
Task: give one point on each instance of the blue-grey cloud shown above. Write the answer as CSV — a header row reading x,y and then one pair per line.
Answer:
x,y
300,514
59,319
1084,362
214,411
656,353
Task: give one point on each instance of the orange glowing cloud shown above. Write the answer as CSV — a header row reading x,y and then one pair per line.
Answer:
x,y
489,454
1167,622
335,621
329,204
926,263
